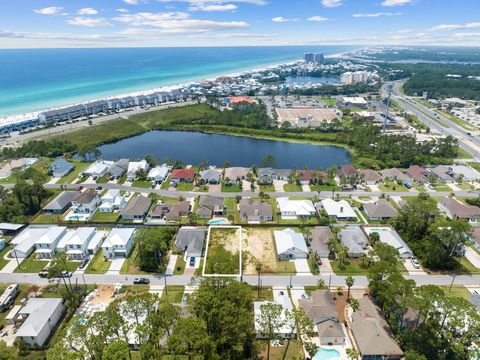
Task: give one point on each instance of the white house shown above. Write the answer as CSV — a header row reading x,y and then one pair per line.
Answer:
x,y
46,244
25,241
295,208
96,241
97,169
112,200
77,245
282,299
85,202
340,210
158,174
290,245
39,317
118,243
134,167
391,237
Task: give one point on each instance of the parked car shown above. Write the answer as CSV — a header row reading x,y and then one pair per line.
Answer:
x,y
43,274
415,263
99,188
65,274
141,281
192,261
83,263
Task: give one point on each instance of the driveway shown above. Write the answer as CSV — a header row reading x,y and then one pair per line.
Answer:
x,y
302,267
171,264
214,188
246,185
115,266
298,293
411,269
306,188
11,266
473,257
53,180
278,185
326,267
374,188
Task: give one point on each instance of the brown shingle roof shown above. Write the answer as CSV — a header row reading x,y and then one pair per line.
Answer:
x,y
319,237
458,209
381,208
137,206
85,197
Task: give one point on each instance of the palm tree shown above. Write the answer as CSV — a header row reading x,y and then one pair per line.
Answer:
x,y
353,354
349,281
355,304
258,268
226,164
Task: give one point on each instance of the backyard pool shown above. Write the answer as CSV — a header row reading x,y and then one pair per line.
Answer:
x,y
218,221
326,354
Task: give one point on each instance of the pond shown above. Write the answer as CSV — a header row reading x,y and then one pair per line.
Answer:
x,y
193,147
301,80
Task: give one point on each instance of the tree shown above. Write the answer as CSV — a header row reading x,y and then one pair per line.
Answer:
x,y
151,161
226,164
352,354
349,281
296,321
189,339
374,237
269,161
154,244
141,174
270,322
116,350
354,304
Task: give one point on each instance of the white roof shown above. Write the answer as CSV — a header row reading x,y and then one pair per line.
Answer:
x,y
469,173
62,244
111,194
257,306
134,166
289,240
391,237
299,207
340,209
81,236
118,237
354,99
29,233
158,171
98,167
96,239
39,311
51,235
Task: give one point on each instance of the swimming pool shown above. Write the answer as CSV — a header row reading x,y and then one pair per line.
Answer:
x,y
326,354
218,221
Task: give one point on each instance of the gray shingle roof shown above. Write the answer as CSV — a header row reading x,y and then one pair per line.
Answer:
x,y
137,206
190,239
381,208
249,207
61,201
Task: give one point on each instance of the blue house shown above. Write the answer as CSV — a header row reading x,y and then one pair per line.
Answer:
x,y
61,167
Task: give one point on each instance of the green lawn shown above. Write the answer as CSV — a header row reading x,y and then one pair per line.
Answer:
x,y
31,265
173,293
47,219
265,293
318,187
457,291
329,102
463,154
267,188
98,265
102,180
122,179
142,184
468,267
105,217
4,252
231,188
292,188
231,205
441,187
165,184
285,267
353,267
464,186
295,350
179,265
71,177
390,186
184,186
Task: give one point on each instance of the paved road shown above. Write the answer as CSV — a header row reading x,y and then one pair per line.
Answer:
x,y
267,280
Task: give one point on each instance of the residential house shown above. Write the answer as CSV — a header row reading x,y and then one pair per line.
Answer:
x,y
118,243
355,240
467,173
389,236
290,244
60,203
372,334
454,209
380,210
77,245
134,167
234,174
61,167
476,237
85,202
418,174
46,245
20,164
281,298
170,212
322,311
112,200
118,169
24,242
209,176
295,208
306,177
347,171
396,175
39,318
137,208
182,175
369,177
318,239
158,174
267,175
442,173
340,210
190,241
209,206
97,169
255,210
96,241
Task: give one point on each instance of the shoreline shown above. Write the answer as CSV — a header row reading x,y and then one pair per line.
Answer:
x,y
165,88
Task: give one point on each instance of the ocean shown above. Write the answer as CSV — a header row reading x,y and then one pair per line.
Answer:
x,y
38,79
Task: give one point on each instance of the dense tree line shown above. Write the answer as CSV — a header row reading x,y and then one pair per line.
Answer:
x,y
154,244
427,323
436,241
39,148
23,201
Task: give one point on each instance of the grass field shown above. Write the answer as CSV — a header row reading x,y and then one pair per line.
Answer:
x,y
457,290
105,217
231,205
142,184
267,188
390,186
184,186
231,188
31,265
98,265
329,102
47,219
292,188
179,266
173,294
223,253
4,252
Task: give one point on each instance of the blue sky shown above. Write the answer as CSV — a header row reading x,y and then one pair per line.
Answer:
x,y
102,23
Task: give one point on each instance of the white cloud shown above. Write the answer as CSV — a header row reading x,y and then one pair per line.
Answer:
x,y
151,19
396,2
122,11
213,7
317,18
214,2
464,35
374,15
88,22
405,31
449,27
52,10
87,11
281,19
134,2
331,3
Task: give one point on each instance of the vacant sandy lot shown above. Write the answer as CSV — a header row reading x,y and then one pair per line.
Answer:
x,y
258,246
228,237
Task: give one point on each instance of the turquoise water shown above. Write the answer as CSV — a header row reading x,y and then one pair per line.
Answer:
x,y
38,79
326,354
